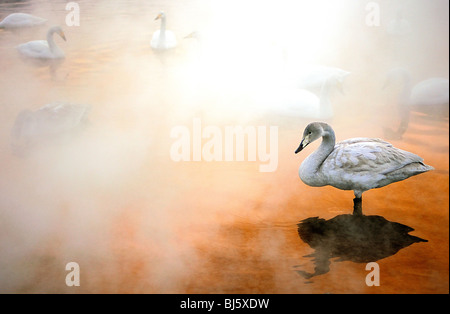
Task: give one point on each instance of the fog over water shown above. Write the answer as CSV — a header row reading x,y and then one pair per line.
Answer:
x,y
110,196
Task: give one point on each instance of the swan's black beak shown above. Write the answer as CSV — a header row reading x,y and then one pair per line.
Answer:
x,y
301,146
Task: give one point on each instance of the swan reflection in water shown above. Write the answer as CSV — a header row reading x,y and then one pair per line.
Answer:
x,y
356,238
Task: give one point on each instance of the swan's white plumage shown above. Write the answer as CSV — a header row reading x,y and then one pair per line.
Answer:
x,y
53,118
52,121
21,20
43,49
297,103
163,39
314,77
357,164
430,92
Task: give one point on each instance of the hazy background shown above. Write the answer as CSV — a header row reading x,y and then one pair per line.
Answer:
x,y
113,201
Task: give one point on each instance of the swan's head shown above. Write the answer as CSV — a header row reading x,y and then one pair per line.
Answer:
x,y
313,131
57,30
161,15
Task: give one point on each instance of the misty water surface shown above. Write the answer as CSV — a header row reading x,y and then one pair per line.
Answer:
x,y
111,198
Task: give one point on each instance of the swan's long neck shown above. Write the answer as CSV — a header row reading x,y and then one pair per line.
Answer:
x,y
309,170
162,31
51,41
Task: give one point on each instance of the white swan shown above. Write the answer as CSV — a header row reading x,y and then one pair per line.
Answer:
x,y
163,39
430,97
297,103
21,20
314,77
43,49
47,123
357,164
430,92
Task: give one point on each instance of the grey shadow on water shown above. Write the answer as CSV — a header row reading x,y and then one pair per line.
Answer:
x,y
356,238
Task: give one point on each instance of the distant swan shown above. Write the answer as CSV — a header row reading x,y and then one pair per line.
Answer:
x,y
314,77
297,103
163,39
43,49
357,164
430,97
21,20
47,123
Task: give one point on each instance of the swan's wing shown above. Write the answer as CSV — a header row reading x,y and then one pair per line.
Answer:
x,y
155,39
370,155
317,76
62,116
34,48
23,19
434,91
170,40
170,37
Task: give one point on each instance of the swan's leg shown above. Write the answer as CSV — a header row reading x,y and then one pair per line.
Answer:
x,y
357,206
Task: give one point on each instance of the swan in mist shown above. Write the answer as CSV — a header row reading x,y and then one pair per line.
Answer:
x,y
21,20
47,123
163,39
298,103
43,49
430,97
357,164
313,78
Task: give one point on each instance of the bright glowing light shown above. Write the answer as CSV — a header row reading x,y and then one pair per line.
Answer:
x,y
253,45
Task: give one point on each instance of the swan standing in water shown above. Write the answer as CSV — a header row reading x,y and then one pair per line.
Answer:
x,y
21,20
430,97
357,164
163,39
43,49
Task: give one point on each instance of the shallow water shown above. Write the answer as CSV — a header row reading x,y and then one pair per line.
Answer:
x,y
113,200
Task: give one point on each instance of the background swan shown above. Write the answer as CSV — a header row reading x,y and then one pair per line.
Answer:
x,y
47,123
314,77
357,164
163,39
21,20
430,97
297,103
43,49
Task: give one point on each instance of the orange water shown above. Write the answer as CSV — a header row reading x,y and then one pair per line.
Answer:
x,y
137,222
